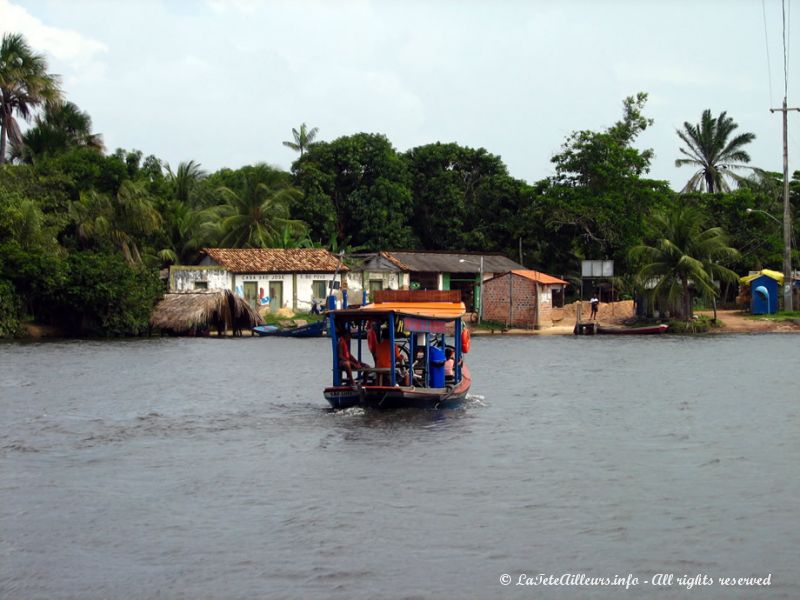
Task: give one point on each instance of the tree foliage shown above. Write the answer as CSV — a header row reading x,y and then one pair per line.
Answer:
x,y
712,153
255,214
598,197
24,85
356,186
83,232
104,295
303,139
683,252
59,128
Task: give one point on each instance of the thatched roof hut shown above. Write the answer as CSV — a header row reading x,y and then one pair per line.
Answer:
x,y
196,312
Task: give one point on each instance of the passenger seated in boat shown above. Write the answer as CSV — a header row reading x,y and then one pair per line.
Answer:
x,y
373,337
347,362
449,363
381,347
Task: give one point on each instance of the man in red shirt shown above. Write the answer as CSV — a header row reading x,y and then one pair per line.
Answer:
x,y
346,360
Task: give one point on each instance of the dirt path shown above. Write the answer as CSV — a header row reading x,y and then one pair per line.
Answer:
x,y
733,321
736,321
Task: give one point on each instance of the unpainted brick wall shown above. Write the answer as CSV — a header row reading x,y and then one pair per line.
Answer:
x,y
523,294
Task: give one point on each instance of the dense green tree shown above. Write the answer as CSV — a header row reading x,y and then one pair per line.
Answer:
x,y
449,185
598,197
10,310
184,179
52,192
255,214
36,274
186,231
61,126
303,139
122,220
355,186
186,228
710,150
104,295
24,85
30,255
83,169
683,252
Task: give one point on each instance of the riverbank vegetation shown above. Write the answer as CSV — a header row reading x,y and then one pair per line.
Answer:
x,y
84,231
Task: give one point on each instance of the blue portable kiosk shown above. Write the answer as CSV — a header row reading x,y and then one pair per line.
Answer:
x,y
765,288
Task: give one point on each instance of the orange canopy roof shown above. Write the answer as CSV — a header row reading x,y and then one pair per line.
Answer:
x,y
446,311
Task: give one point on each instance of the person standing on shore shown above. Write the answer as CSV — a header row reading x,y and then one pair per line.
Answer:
x,y
594,302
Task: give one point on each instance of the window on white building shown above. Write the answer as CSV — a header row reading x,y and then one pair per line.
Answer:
x,y
319,289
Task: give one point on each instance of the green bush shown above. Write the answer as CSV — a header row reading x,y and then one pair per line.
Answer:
x,y
105,296
697,325
9,311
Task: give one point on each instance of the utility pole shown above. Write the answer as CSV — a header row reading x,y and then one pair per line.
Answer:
x,y
788,304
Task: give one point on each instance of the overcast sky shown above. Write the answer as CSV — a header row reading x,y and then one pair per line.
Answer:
x,y
223,82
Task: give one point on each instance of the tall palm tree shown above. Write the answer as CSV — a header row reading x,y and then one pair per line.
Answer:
x,y
61,126
302,139
255,217
24,85
183,180
123,220
711,150
683,252
187,230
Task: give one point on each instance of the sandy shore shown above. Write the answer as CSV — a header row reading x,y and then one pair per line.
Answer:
x,y
733,321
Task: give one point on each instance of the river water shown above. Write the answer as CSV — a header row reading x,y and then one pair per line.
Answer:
x,y
208,468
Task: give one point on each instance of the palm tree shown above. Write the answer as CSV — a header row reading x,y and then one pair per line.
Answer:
x,y
187,230
683,252
24,85
184,179
302,139
123,220
256,216
710,149
62,126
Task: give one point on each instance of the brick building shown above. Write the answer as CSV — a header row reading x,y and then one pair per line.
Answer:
x,y
523,298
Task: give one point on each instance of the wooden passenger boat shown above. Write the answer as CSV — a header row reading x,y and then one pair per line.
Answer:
x,y
409,336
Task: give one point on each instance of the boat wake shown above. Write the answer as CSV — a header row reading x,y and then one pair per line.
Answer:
x,y
353,411
476,399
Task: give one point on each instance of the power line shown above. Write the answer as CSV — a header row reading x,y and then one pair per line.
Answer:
x,y
766,42
785,52
789,34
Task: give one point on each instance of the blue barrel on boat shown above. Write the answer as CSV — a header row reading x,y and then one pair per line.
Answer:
x,y
437,367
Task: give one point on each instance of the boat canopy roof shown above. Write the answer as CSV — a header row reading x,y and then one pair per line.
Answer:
x,y
436,305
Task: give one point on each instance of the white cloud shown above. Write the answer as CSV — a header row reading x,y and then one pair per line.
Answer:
x,y
68,47
245,6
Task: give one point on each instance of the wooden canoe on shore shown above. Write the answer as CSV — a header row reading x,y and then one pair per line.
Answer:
x,y
594,328
646,330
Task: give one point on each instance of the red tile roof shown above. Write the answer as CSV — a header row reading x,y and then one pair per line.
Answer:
x,y
395,261
275,260
539,277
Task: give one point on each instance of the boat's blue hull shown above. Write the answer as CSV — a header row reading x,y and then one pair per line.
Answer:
x,y
311,330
